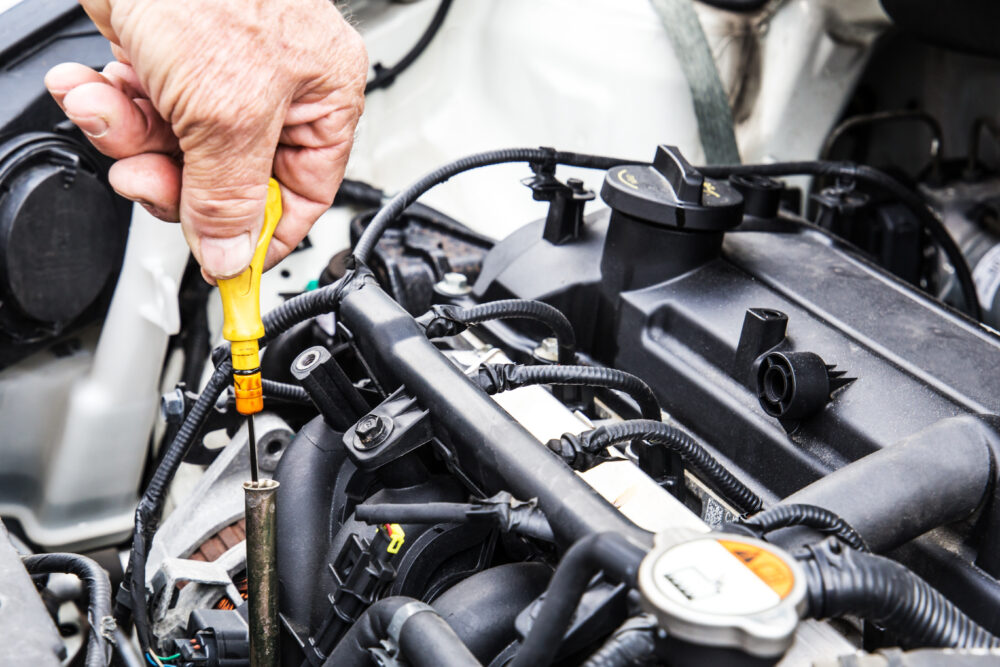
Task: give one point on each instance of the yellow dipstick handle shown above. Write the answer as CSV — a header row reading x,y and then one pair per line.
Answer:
x,y
242,325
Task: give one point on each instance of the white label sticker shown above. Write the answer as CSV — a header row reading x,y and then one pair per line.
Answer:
x,y
986,275
704,576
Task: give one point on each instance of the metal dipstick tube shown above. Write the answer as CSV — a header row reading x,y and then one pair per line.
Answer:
x,y
262,571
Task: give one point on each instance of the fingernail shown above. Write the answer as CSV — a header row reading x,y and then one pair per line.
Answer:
x,y
93,126
226,257
152,209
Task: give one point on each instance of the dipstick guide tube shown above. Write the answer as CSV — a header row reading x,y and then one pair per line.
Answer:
x,y
262,571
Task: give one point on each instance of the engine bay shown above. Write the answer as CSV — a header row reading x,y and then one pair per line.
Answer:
x,y
683,412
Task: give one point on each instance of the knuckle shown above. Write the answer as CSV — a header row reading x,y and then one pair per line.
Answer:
x,y
230,207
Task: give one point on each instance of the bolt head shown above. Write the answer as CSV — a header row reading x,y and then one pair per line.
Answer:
x,y
172,405
548,350
453,284
370,430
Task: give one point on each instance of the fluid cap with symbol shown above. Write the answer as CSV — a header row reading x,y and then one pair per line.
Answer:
x,y
672,193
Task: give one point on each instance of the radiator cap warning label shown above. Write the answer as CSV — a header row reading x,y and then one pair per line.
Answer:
x,y
769,568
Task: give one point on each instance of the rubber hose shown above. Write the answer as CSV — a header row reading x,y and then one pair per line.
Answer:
x,y
610,552
811,516
395,207
419,513
633,643
125,653
285,392
842,581
736,5
531,523
496,378
425,639
538,311
926,217
692,453
98,587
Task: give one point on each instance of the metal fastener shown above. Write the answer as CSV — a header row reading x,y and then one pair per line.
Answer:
x,y
453,284
172,406
548,350
370,430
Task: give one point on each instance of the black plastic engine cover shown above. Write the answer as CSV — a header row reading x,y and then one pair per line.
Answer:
x,y
914,362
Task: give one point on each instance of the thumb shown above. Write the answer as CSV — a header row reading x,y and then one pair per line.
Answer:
x,y
223,193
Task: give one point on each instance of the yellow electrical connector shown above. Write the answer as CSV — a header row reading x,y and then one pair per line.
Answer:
x,y
241,311
396,538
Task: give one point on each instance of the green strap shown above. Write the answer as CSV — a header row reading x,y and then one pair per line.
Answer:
x,y
711,106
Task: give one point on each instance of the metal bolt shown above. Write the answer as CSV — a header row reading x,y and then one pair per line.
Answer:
x,y
370,430
548,350
172,405
453,284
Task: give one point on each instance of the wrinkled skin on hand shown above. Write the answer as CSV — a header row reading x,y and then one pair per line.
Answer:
x,y
208,99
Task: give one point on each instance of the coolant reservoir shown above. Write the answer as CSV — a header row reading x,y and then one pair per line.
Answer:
x,y
584,75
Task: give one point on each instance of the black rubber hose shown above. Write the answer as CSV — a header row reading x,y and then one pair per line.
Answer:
x,y
285,392
424,638
928,220
437,319
610,552
125,653
527,521
736,5
693,454
396,206
98,587
483,608
421,513
842,581
811,516
495,378
385,76
633,643
150,507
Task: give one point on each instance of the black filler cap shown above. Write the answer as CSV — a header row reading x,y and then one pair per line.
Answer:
x,y
672,193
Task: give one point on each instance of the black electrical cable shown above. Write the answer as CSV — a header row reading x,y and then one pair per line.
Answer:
x,y
150,507
284,391
524,520
845,582
610,552
385,76
693,454
439,319
402,200
495,378
928,220
98,586
810,516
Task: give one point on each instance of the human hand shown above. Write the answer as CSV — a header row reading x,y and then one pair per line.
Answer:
x,y
207,99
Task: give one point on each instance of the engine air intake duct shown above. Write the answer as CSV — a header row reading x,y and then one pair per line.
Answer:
x,y
949,470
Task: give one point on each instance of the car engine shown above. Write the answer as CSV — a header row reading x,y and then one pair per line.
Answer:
x,y
689,412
